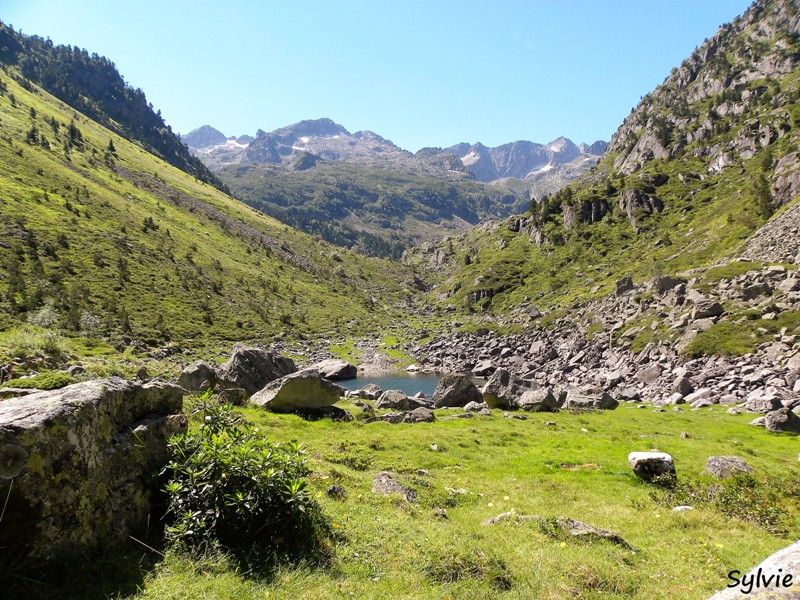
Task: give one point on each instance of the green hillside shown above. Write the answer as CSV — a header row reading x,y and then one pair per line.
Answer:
x,y
697,167
378,211
112,241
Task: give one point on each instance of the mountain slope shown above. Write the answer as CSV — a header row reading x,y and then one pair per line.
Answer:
x,y
92,85
696,168
119,243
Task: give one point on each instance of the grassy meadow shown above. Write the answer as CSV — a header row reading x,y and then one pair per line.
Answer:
x,y
386,547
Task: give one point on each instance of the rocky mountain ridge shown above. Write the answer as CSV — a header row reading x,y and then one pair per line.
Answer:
x,y
330,141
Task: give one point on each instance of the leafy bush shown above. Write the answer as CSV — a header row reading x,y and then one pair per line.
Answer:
x,y
229,486
769,504
27,341
47,316
45,381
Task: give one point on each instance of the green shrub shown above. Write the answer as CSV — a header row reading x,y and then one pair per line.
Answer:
x,y
229,486
45,381
770,503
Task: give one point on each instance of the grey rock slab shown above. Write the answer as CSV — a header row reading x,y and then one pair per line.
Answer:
x,y
298,391
455,389
723,467
335,369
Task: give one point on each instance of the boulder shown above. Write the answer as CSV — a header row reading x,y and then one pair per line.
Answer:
x,y
371,391
475,406
455,389
384,484
419,415
253,368
783,562
649,465
76,465
683,386
398,400
483,369
503,389
707,308
298,391
541,400
762,401
589,399
722,467
335,369
197,377
623,285
781,420
649,374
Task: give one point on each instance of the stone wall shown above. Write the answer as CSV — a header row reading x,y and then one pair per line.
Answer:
x,y
78,465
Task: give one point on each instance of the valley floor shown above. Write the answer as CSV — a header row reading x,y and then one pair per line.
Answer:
x,y
550,465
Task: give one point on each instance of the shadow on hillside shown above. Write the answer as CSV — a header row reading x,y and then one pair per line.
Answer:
x,y
107,573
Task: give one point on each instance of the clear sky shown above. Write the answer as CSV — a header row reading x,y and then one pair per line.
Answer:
x,y
418,72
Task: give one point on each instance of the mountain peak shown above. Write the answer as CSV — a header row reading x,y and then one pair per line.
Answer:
x,y
311,128
203,137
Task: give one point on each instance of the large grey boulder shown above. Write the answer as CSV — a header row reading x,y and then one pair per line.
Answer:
x,y
399,400
77,464
589,399
783,562
304,390
707,308
782,420
371,391
335,369
253,368
539,400
455,389
503,389
762,400
723,467
650,465
197,377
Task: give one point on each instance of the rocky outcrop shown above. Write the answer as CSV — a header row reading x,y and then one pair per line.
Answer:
x,y
78,465
455,389
775,567
589,399
722,467
637,205
384,483
253,368
399,400
304,390
503,389
335,369
197,377
565,355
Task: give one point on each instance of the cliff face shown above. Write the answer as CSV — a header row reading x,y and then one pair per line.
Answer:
x,y
735,95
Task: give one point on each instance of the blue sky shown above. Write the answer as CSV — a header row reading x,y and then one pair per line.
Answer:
x,y
420,73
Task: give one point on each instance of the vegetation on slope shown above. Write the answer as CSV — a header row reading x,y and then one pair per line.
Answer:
x,y
92,85
694,170
115,242
472,470
378,211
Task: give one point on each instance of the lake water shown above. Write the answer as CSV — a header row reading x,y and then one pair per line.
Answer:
x,y
410,383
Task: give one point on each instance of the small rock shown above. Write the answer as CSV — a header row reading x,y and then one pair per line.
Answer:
x,y
336,492
650,465
723,467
